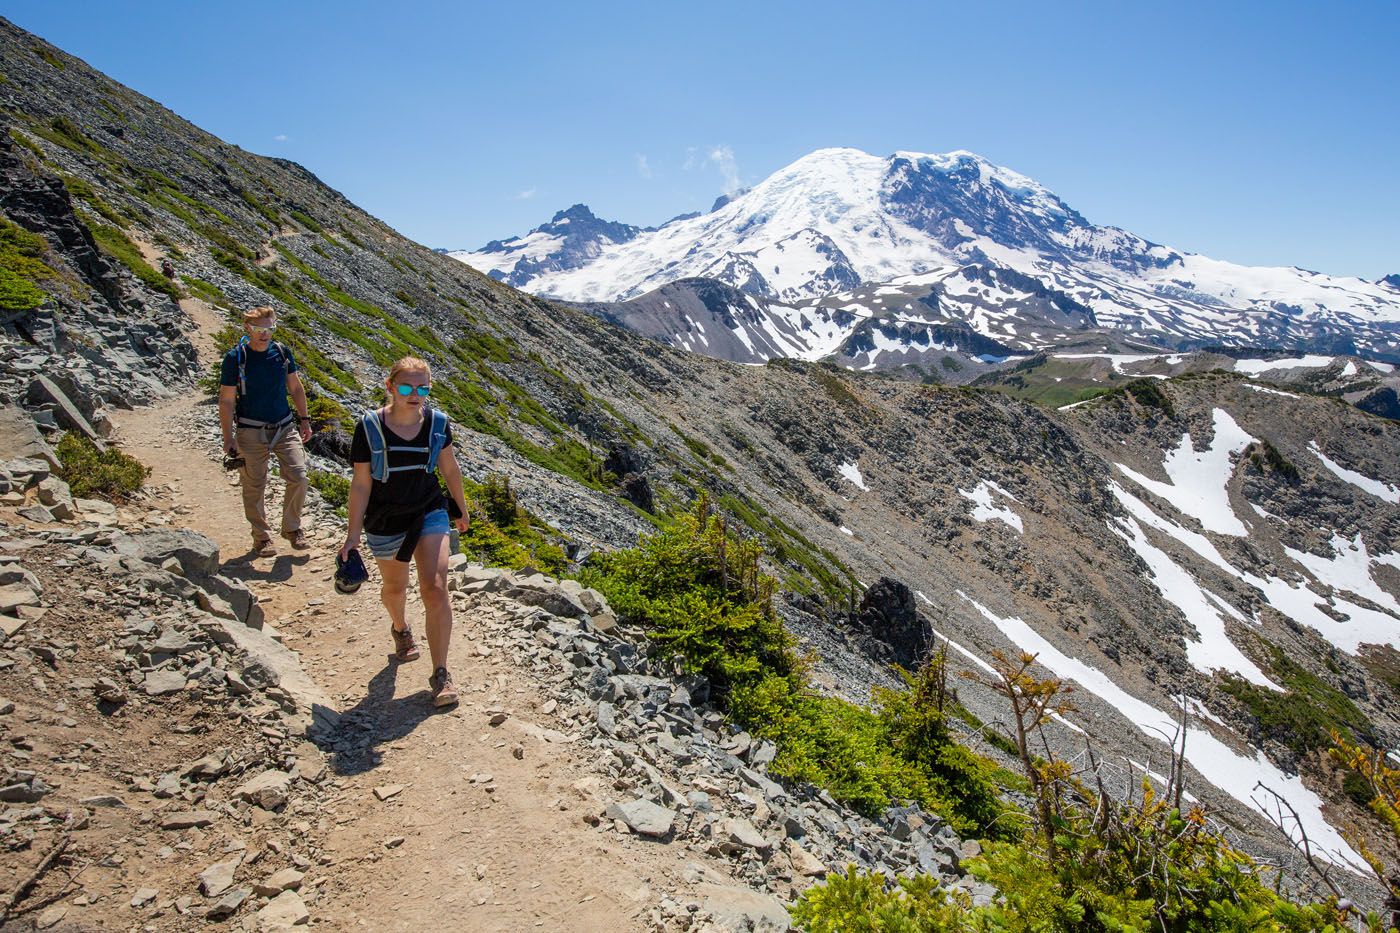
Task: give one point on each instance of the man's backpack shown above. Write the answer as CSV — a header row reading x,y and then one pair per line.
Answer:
x,y
379,448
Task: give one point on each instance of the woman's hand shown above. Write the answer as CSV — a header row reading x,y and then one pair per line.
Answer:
x,y
345,549
463,524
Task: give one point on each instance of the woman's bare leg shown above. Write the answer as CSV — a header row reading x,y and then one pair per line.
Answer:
x,y
431,557
393,590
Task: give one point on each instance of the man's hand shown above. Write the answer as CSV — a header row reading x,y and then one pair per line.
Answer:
x,y
304,429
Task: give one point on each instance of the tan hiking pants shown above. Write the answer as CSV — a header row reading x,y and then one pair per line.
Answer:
x,y
257,446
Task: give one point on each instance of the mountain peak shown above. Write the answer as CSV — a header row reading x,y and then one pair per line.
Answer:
x,y
913,217
577,212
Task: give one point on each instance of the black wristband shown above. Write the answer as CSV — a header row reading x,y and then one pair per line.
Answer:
x,y
304,418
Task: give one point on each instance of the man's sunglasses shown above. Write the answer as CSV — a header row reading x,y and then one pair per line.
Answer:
x,y
405,389
260,331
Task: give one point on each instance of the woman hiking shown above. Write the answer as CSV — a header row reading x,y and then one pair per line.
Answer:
x,y
397,453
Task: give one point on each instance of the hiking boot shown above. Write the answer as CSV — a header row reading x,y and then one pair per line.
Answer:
x,y
405,645
264,548
298,539
444,693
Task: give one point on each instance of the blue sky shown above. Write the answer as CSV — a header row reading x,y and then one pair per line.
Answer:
x,y
1262,133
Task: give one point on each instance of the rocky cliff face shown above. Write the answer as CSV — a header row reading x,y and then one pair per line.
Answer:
x,y
1148,545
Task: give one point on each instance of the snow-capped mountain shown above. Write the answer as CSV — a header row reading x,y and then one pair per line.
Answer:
x,y
839,219
572,238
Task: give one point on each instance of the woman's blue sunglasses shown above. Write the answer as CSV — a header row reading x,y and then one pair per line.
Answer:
x,y
409,390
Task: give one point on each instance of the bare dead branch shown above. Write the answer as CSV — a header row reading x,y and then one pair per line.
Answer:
x,y
19,893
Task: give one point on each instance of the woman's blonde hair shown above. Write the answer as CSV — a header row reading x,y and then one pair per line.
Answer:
x,y
409,364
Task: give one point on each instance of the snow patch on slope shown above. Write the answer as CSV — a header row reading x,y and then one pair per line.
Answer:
x,y
984,511
852,474
1199,478
1375,487
1215,761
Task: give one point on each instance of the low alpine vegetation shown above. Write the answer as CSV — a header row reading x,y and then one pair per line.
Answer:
x,y
1090,861
703,601
102,474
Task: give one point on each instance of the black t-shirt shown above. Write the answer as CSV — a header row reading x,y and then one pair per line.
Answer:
x,y
395,504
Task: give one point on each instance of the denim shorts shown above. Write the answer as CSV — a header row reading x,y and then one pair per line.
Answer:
x,y
386,547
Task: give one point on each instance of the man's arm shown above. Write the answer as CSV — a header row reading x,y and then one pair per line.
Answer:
x,y
298,393
228,398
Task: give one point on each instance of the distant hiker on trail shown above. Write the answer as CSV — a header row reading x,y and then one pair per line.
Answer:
x,y
167,269
256,377
398,452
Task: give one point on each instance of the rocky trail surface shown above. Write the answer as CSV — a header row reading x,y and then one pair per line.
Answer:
x,y
170,764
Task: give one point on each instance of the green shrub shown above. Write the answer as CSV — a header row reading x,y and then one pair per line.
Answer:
x,y
1149,394
116,244
504,534
1092,863
915,722
325,411
64,132
699,594
90,473
333,487
21,268
210,292
49,57
306,221
859,902
26,142
1304,716
1264,454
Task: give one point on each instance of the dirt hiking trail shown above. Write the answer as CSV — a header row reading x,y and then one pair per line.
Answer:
x,y
482,827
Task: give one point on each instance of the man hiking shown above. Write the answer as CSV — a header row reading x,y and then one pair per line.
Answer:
x,y
255,379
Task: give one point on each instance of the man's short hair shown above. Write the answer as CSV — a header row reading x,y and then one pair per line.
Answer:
x,y
257,314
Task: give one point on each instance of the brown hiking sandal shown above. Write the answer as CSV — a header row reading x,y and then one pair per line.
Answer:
x,y
444,693
264,548
298,539
405,645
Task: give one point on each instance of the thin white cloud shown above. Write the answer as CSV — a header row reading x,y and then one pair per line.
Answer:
x,y
643,165
280,138
721,157
525,195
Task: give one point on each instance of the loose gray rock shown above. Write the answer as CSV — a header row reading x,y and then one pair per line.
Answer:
x,y
643,817
229,904
268,790
187,819
283,912
160,683
218,878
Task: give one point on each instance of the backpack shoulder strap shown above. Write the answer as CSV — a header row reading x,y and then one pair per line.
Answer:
x,y
437,438
241,349
378,453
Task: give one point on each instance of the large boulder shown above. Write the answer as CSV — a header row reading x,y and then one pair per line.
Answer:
x,y
44,391
197,555
20,438
888,615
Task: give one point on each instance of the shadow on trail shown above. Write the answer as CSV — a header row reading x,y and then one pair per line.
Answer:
x,y
243,568
375,720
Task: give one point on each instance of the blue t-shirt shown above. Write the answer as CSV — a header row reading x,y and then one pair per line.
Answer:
x,y
265,397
